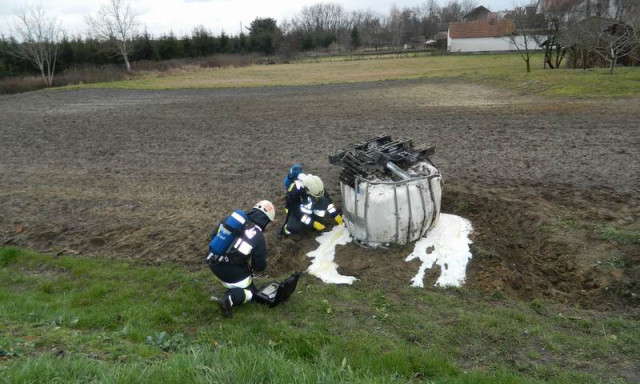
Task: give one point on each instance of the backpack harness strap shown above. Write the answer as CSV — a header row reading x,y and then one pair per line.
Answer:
x,y
240,250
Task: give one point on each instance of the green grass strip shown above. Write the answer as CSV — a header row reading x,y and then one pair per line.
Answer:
x,y
82,319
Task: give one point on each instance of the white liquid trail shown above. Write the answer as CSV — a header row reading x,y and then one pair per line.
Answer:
x,y
323,266
449,241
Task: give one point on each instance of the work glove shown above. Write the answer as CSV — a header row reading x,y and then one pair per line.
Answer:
x,y
339,220
318,226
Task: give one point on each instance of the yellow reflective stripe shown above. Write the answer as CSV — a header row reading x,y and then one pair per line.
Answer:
x,y
245,283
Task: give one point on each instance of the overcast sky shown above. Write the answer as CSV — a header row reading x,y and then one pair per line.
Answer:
x,y
181,16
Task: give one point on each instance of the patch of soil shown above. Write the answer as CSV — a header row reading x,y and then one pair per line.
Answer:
x,y
146,175
524,248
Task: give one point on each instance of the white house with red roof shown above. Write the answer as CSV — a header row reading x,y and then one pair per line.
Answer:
x,y
484,32
486,36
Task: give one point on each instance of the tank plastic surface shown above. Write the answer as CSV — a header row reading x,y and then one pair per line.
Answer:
x,y
398,212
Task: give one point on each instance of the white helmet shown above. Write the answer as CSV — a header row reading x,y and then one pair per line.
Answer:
x,y
314,185
266,207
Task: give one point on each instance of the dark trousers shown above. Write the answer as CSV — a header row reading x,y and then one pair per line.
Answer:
x,y
295,226
239,295
227,274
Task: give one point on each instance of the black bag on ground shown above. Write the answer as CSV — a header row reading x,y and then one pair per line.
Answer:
x,y
275,293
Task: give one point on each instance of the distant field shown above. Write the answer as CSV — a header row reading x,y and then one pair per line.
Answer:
x,y
506,71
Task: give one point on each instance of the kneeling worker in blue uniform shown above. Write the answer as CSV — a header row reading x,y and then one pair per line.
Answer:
x,y
238,248
308,206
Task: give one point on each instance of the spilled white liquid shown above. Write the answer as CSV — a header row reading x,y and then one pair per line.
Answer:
x,y
448,243
323,266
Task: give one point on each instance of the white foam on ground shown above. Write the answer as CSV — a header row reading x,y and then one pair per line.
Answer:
x,y
450,241
323,266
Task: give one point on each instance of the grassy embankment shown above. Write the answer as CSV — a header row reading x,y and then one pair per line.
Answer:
x,y
506,71
77,319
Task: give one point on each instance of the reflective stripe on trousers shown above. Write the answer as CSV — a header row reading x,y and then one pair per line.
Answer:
x,y
240,284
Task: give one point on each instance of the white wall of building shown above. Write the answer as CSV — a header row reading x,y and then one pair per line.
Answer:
x,y
488,44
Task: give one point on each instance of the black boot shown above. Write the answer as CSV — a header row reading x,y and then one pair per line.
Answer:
x,y
225,305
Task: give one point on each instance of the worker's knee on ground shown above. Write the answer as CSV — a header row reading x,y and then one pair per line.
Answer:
x,y
292,227
248,296
237,295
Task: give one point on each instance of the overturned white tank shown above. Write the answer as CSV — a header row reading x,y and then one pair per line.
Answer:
x,y
399,212
391,191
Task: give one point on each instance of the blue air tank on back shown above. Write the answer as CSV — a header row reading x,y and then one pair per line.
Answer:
x,y
229,230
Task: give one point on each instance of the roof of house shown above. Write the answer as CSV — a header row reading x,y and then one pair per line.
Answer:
x,y
477,13
482,28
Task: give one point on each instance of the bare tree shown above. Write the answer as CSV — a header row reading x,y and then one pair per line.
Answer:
x,y
581,38
404,24
525,21
468,6
616,41
323,17
430,18
369,26
38,37
451,12
115,22
620,39
608,38
549,39
396,24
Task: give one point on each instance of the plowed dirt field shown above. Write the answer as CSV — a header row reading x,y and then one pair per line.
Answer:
x,y
550,185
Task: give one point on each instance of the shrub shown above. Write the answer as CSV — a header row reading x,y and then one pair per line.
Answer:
x,y
90,74
107,73
20,84
78,75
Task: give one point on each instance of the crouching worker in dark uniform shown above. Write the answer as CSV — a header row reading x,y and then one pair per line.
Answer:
x,y
246,251
308,206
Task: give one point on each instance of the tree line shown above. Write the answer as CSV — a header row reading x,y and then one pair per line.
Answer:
x,y
323,24
78,51
587,34
116,37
